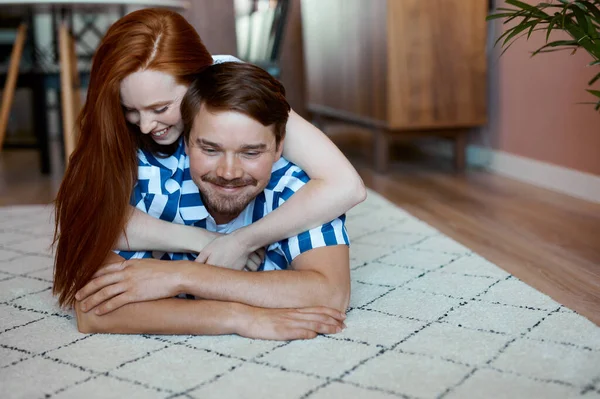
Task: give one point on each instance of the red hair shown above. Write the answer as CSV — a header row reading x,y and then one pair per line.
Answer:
x,y
91,205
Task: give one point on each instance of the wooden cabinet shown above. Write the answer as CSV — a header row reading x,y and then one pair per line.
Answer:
x,y
402,67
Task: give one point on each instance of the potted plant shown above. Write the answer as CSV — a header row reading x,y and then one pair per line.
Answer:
x,y
580,19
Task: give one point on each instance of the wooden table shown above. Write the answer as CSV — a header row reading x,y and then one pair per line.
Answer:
x,y
69,74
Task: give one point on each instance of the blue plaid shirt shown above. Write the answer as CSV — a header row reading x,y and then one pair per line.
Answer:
x,y
166,191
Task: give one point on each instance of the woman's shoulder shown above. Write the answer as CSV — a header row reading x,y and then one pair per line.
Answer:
x,y
221,58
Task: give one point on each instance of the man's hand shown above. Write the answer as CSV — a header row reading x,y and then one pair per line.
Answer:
x,y
230,252
135,280
289,324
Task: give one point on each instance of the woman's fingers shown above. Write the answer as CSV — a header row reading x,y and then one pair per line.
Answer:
x,y
202,258
97,284
101,296
110,268
113,304
254,262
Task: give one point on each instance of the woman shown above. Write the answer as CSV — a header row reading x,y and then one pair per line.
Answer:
x,y
93,215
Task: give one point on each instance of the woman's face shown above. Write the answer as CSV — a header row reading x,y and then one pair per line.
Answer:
x,y
151,100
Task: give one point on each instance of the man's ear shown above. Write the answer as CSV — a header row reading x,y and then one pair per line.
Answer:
x,y
186,140
279,149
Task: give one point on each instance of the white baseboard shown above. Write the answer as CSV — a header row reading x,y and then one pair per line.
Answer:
x,y
557,178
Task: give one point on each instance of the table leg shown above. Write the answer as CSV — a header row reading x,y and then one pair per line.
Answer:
x,y
460,147
11,80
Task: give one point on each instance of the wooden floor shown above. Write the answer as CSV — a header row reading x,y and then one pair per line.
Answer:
x,y
549,240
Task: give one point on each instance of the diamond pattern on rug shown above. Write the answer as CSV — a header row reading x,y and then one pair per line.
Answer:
x,y
428,318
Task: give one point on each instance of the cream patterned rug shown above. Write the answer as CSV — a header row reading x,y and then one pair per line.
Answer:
x,y
428,319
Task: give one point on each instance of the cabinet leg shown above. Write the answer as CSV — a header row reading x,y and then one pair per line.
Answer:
x,y
381,155
460,146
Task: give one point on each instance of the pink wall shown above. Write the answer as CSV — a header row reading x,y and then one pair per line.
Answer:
x,y
535,113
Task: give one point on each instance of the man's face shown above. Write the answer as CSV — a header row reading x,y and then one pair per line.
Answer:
x,y
231,157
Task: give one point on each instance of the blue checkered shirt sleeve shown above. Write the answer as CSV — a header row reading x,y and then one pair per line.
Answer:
x,y
285,181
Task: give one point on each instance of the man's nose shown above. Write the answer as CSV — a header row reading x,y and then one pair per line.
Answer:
x,y
147,123
229,167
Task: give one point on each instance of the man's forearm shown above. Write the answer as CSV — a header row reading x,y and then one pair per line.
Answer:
x,y
147,233
165,316
273,289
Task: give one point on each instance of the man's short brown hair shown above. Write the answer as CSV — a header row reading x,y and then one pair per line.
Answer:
x,y
239,87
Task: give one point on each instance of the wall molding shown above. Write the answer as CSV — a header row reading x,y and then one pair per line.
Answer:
x,y
542,174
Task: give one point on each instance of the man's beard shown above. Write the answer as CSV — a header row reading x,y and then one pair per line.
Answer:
x,y
228,206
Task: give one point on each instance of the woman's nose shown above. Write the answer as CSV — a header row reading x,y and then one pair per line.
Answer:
x,y
147,123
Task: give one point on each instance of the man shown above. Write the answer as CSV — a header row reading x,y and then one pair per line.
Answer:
x,y
234,116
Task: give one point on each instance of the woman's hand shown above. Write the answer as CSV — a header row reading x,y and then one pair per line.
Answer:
x,y
135,280
288,324
231,252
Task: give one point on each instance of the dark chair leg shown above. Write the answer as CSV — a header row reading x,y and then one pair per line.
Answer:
x,y
40,110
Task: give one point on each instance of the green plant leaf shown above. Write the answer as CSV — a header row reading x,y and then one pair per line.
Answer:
x,y
592,9
594,79
550,26
581,20
556,43
533,9
499,15
531,30
518,29
594,92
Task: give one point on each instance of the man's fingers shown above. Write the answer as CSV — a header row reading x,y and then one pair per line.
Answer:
x,y
103,295
297,333
320,318
316,326
336,314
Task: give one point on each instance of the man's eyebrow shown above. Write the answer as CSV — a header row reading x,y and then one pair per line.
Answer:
x,y
200,141
256,147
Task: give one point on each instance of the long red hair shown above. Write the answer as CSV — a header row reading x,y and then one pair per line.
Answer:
x,y
91,205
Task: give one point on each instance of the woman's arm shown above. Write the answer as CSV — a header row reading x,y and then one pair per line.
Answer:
x,y
147,233
334,188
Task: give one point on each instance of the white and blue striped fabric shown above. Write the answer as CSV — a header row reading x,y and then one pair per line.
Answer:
x,y
166,191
